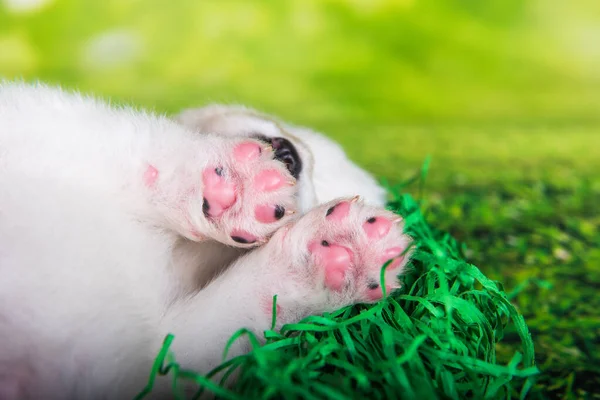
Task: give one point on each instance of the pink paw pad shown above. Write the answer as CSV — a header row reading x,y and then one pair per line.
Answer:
x,y
268,213
336,260
150,176
377,227
219,194
246,151
339,211
269,180
240,236
375,293
392,253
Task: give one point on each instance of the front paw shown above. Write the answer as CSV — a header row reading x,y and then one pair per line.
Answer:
x,y
336,254
227,189
247,194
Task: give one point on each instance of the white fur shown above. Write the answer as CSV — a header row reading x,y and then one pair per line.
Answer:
x,y
93,267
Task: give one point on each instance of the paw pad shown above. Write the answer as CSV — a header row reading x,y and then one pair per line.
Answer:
x,y
392,253
269,180
339,211
247,151
377,227
269,213
375,292
243,237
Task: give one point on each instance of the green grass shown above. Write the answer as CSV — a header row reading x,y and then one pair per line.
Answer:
x,y
527,205
541,240
526,202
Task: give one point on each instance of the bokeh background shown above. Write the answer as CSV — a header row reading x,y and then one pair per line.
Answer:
x,y
504,95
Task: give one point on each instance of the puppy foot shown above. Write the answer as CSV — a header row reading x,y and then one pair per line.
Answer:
x,y
248,194
240,197
339,250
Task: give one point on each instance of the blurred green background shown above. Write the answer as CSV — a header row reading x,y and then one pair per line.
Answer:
x,y
504,95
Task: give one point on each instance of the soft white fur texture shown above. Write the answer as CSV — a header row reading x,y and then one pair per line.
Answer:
x,y
94,266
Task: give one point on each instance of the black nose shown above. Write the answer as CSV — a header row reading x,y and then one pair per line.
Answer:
x,y
285,152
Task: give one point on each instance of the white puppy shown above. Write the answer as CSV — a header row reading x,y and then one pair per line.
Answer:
x,y
94,202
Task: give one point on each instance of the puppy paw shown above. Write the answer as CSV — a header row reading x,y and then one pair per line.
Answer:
x,y
337,252
239,197
247,194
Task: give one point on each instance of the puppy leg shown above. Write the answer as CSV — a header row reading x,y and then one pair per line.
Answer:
x,y
199,185
327,259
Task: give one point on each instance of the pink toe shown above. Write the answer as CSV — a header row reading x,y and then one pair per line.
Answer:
x,y
267,213
377,227
150,176
246,151
395,253
339,211
218,192
240,236
392,252
377,293
269,180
